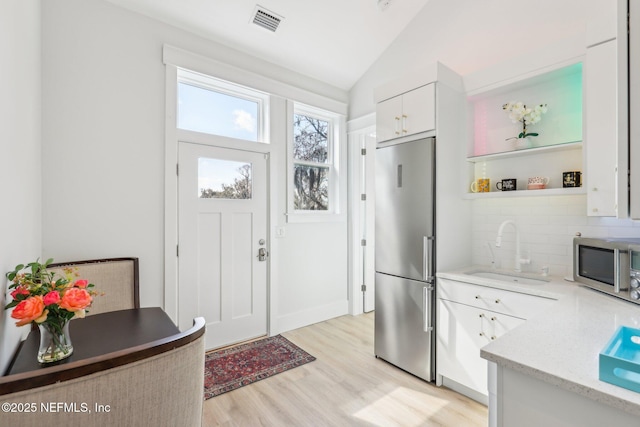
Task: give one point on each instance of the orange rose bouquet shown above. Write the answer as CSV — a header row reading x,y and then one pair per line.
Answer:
x,y
49,301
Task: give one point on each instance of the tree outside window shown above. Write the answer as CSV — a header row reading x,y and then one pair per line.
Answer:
x,y
311,162
240,188
224,179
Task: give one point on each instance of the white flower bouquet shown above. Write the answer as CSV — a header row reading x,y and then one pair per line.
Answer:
x,y
519,112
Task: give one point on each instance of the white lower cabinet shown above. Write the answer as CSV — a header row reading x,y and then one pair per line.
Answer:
x,y
471,316
462,332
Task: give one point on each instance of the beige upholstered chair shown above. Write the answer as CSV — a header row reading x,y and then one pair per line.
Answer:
x,y
156,384
116,278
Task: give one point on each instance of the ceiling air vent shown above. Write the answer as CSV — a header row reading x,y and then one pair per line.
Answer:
x,y
266,19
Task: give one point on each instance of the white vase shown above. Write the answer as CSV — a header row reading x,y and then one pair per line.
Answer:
x,y
522,143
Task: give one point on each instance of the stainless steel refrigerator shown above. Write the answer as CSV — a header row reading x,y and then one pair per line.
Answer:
x,y
405,244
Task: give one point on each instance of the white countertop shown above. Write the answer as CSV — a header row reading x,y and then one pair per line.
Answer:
x,y
561,344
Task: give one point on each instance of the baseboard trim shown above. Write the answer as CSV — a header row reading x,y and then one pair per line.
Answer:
x,y
311,315
462,389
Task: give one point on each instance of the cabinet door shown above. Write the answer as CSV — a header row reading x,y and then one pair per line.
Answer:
x,y
462,331
601,129
388,119
419,110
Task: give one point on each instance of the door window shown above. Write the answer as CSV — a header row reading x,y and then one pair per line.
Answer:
x,y
223,179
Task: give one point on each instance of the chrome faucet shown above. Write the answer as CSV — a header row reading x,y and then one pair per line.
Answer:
x,y
519,260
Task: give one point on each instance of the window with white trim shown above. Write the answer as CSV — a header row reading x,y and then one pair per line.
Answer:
x,y
217,107
313,153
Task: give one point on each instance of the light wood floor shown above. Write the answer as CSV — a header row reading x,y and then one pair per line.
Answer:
x,y
345,386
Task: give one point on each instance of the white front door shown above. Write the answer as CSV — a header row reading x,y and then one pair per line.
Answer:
x,y
222,236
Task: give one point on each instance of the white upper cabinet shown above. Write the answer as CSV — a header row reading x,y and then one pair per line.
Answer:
x,y
388,114
606,113
633,95
407,114
601,129
418,110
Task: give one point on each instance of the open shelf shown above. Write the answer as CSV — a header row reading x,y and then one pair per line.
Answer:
x,y
575,145
528,193
492,152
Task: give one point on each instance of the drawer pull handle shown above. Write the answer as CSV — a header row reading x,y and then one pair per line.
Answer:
x,y
481,315
493,318
498,301
477,296
481,334
493,337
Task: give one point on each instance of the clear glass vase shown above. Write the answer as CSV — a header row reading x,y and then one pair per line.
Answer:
x,y
55,342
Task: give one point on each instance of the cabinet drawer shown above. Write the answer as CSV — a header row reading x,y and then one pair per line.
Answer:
x,y
498,300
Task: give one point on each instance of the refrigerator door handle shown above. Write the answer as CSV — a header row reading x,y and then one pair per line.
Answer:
x,y
427,249
426,308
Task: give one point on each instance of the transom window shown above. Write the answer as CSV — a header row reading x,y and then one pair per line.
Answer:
x,y
216,107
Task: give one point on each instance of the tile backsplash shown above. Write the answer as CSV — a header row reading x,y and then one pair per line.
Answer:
x,y
546,225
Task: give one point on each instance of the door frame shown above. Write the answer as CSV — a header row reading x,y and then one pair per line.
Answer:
x,y
361,134
173,136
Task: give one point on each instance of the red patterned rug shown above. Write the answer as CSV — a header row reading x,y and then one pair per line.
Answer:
x,y
235,367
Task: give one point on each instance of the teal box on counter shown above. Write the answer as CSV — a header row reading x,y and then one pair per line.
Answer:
x,y
619,361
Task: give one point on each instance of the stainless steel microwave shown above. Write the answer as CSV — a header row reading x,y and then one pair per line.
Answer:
x,y
608,265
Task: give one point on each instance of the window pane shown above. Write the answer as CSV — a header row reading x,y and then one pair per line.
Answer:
x,y
223,179
311,188
208,111
310,139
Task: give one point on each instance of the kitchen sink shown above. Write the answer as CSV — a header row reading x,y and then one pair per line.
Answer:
x,y
509,277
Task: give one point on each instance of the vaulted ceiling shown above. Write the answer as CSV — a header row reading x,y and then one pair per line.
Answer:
x,y
334,41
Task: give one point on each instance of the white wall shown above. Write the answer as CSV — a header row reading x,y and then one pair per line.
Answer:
x,y
20,173
470,35
104,141
312,291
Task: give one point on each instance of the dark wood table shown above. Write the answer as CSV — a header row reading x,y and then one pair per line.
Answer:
x,y
99,341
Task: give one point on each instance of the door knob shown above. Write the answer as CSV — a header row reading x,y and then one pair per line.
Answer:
x,y
262,254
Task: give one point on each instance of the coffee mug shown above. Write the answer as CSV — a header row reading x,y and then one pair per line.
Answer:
x,y
571,179
507,184
481,185
539,180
